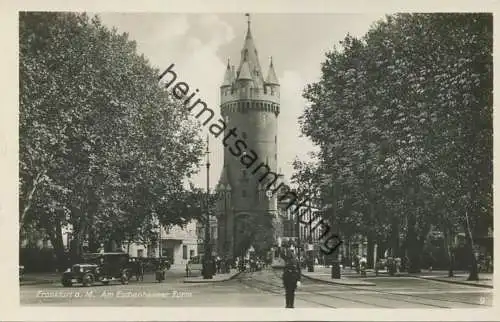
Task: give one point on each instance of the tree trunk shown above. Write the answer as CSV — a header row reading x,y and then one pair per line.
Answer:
x,y
29,199
447,246
57,242
412,244
371,247
473,273
76,241
394,236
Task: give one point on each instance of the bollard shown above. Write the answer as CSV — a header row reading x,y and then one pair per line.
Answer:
x,y
335,269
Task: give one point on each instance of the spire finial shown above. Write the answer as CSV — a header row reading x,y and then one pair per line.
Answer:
x,y
271,60
248,20
228,63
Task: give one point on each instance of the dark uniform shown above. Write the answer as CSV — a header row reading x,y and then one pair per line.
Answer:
x,y
139,270
291,275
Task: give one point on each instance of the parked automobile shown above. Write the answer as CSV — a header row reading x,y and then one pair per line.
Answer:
x,y
99,267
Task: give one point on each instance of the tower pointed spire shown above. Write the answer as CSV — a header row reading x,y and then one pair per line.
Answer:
x,y
249,33
271,74
249,56
228,76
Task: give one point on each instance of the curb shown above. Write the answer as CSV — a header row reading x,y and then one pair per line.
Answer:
x,y
38,282
338,283
452,282
212,281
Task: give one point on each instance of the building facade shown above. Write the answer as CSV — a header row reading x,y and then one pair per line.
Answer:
x,y
250,105
177,244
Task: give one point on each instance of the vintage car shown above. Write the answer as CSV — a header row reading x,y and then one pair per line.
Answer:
x,y
99,267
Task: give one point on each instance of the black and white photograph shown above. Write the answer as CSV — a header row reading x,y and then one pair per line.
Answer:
x,y
255,160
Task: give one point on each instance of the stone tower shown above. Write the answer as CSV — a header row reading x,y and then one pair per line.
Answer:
x,y
249,103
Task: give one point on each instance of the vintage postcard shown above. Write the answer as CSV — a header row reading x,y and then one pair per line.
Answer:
x,y
252,164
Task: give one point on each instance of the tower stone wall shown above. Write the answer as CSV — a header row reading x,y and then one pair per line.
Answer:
x,y
250,106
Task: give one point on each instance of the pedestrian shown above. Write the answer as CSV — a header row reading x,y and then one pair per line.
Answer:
x,y
139,270
362,265
218,264
291,279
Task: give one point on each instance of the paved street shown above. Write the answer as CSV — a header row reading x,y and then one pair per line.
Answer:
x,y
263,289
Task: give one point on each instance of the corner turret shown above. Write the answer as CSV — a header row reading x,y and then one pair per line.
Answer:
x,y
245,72
228,77
271,75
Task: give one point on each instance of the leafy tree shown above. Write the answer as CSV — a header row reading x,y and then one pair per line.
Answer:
x,y
98,149
403,119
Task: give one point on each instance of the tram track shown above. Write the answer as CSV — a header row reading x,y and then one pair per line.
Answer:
x,y
269,286
357,288
277,290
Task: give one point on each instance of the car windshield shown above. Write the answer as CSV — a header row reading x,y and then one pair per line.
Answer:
x,y
117,258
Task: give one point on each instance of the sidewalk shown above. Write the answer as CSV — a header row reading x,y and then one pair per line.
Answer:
x,y
40,278
216,278
460,277
323,274
485,279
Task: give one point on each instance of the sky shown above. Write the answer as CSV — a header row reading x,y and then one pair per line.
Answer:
x,y
199,46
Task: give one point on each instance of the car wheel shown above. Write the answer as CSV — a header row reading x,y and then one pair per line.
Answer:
x,y
66,283
124,278
87,279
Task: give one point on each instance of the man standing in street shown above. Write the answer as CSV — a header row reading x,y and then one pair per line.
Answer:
x,y
291,277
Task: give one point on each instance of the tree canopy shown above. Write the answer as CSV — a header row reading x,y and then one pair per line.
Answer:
x,y
403,120
101,145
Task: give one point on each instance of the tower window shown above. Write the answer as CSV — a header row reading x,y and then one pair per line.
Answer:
x,y
244,135
243,193
275,139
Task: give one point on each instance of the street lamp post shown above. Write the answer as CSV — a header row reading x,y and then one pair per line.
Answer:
x,y
298,234
226,226
207,262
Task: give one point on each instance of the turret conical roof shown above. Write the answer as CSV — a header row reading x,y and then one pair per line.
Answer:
x,y
245,72
250,56
271,75
228,77
224,179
